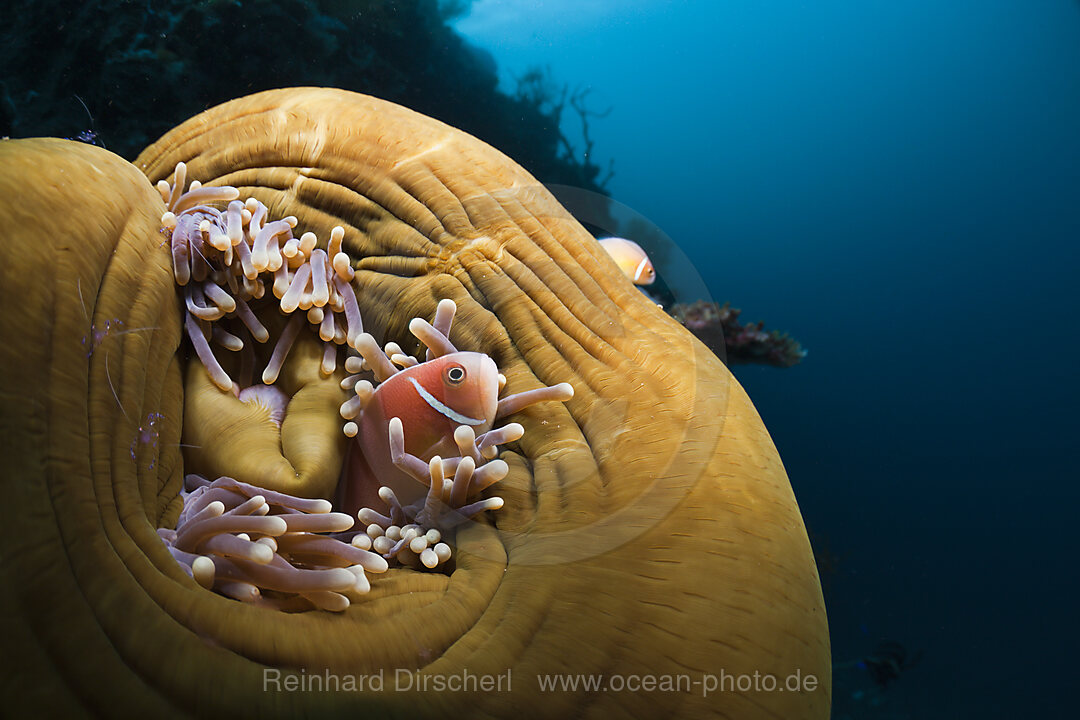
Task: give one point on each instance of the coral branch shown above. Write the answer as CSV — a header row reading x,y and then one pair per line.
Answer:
x,y
719,328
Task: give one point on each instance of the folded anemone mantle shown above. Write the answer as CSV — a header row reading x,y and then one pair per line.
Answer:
x,y
649,529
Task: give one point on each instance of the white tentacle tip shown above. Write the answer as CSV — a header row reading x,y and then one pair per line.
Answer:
x,y
202,569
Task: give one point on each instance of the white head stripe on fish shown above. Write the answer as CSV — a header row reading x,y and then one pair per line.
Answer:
x,y
640,268
441,407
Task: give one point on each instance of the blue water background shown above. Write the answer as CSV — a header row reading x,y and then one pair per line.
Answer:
x,y
898,185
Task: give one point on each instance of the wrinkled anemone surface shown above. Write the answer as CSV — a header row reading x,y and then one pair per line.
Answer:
x,y
235,263
648,527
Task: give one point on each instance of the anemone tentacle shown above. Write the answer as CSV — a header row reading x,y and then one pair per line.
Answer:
x,y
268,548
224,260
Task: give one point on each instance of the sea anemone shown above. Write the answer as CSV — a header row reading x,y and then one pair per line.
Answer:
x,y
224,260
648,525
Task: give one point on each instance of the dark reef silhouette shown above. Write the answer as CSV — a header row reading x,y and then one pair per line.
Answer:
x,y
120,73
142,67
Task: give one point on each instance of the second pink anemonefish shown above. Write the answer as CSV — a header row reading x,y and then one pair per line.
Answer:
x,y
631,259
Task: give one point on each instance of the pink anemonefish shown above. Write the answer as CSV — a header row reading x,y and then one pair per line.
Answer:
x,y
631,259
432,399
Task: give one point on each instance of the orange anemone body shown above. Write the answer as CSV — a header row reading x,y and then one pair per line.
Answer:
x,y
432,399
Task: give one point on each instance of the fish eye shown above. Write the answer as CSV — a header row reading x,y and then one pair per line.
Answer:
x,y
455,375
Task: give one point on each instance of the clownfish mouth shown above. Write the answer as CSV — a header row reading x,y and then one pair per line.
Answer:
x,y
442,407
